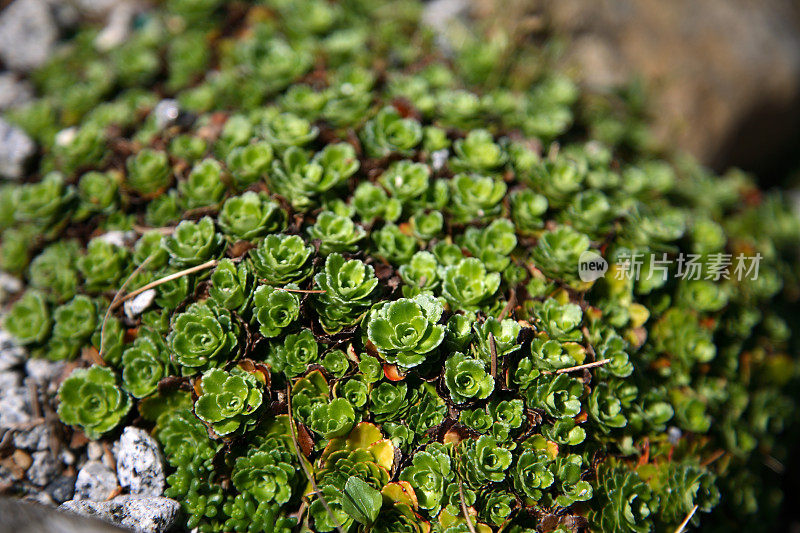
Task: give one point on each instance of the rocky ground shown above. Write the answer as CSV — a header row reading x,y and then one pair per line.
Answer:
x,y
119,482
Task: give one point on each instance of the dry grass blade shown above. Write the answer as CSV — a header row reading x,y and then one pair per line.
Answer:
x,y
512,301
467,518
115,300
601,362
153,284
141,230
302,291
300,458
682,527
493,350
464,509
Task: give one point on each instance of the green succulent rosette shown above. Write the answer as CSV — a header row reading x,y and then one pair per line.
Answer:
x,y
406,330
193,243
349,288
250,216
28,320
202,337
275,309
231,286
228,400
282,259
466,378
91,400
144,364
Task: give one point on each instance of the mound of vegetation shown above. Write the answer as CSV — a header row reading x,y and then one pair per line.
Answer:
x,y
338,275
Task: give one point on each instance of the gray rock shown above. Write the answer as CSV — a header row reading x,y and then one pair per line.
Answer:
x,y
439,15
143,515
65,14
9,379
722,76
13,92
41,498
15,148
61,488
66,457
439,158
27,34
118,27
94,451
11,355
8,285
118,238
44,373
43,469
25,516
36,438
138,304
97,8
674,435
95,482
140,465
15,407
6,476
166,113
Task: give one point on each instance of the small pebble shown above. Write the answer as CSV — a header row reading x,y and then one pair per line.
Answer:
x,y
61,489
140,466
16,148
43,469
95,482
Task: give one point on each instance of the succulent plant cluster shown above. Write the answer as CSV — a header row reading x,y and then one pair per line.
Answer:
x,y
366,312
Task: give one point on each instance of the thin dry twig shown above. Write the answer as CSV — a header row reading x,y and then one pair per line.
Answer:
x,y
302,460
153,284
463,501
512,301
115,300
601,362
685,522
24,426
493,350
714,456
467,518
33,392
303,291
141,230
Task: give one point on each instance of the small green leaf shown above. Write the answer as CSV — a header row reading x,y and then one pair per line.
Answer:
x,y
361,501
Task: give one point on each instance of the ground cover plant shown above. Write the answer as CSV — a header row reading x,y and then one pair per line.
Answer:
x,y
358,296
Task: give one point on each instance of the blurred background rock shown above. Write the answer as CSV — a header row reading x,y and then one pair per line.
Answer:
x,y
719,79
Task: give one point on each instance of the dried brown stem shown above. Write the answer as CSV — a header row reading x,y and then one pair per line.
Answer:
x,y
714,456
685,522
302,291
579,367
141,230
464,510
300,458
512,301
115,300
493,350
208,264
